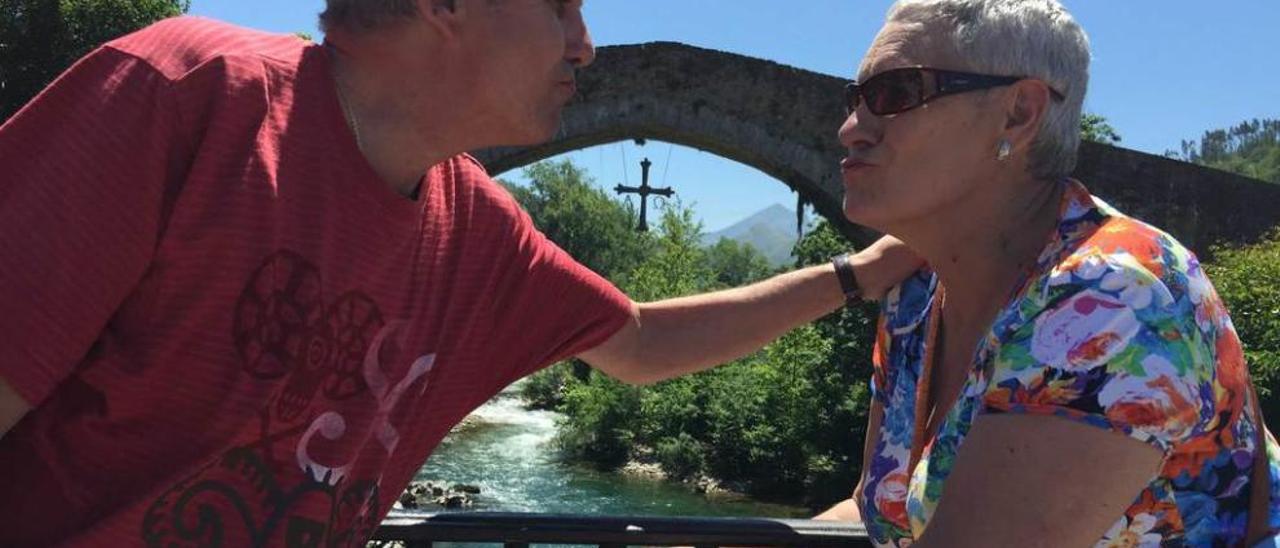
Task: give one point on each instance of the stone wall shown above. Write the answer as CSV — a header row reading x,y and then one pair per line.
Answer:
x,y
783,121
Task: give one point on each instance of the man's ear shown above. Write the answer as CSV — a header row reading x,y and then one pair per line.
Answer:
x,y
1025,110
444,16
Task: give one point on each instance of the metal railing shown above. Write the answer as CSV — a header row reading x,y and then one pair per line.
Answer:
x,y
421,530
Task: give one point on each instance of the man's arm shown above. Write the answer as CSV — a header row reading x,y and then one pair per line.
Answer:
x,y
675,337
12,408
86,170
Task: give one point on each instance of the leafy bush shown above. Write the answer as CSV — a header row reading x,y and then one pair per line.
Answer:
x,y
681,456
601,416
545,389
1248,279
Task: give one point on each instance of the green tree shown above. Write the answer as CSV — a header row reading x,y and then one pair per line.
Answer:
x,y
601,421
677,264
604,420
1251,148
39,39
592,226
853,328
737,263
1094,127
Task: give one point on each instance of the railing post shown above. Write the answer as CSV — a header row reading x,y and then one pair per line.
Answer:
x,y
520,530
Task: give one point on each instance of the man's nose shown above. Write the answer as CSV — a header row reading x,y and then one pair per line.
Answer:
x,y
579,50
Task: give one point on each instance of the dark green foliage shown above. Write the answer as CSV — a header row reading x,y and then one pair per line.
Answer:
x,y
735,263
676,265
589,224
39,39
851,330
681,456
545,390
1251,149
603,416
1248,280
1094,127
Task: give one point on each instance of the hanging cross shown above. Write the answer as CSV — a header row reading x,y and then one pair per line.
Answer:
x,y
644,190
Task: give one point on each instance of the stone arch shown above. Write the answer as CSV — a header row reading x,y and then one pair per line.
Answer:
x,y
783,121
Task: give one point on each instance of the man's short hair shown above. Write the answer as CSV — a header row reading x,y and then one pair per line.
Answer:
x,y
365,15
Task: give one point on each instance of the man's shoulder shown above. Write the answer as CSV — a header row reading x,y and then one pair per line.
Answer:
x,y
471,188
178,45
462,170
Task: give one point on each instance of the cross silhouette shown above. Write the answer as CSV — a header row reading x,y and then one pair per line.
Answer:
x,y
644,190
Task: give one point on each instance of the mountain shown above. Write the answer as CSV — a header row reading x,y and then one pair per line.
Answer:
x,y
772,231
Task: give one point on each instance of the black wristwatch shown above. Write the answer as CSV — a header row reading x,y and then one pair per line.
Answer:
x,y
848,281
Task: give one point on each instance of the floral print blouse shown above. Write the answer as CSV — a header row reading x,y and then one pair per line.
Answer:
x,y
1117,327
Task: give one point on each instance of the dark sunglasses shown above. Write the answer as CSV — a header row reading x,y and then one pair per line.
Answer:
x,y
899,90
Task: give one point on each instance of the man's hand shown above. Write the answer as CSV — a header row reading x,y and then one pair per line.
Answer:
x,y
675,337
883,265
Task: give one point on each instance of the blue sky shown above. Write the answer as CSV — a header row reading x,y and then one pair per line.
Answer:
x,y
1163,71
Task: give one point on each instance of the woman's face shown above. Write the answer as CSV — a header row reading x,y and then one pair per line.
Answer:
x,y
903,169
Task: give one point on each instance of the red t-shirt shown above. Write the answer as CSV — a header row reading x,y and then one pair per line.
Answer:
x,y
232,331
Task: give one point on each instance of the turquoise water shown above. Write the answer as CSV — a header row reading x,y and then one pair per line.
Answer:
x,y
506,451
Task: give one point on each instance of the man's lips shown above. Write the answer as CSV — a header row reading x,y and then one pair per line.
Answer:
x,y
851,164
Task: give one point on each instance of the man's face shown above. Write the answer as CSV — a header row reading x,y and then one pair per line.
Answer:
x,y
526,52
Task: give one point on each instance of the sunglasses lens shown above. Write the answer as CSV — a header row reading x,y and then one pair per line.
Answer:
x,y
850,98
894,91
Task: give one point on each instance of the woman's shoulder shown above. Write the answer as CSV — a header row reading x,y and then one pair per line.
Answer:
x,y
1115,292
906,305
1139,265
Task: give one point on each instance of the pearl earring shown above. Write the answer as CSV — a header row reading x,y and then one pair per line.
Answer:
x,y
1004,150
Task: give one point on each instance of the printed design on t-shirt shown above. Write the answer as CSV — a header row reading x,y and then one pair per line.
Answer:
x,y
240,500
332,426
283,327
344,379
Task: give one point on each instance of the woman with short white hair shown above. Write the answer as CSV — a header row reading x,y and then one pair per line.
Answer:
x,y
1061,374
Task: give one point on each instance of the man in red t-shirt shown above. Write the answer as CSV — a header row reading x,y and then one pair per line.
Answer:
x,y
235,310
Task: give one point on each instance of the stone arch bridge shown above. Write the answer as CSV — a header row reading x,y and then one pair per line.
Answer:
x,y
783,121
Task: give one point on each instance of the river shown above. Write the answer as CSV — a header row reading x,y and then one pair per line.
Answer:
x,y
506,451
